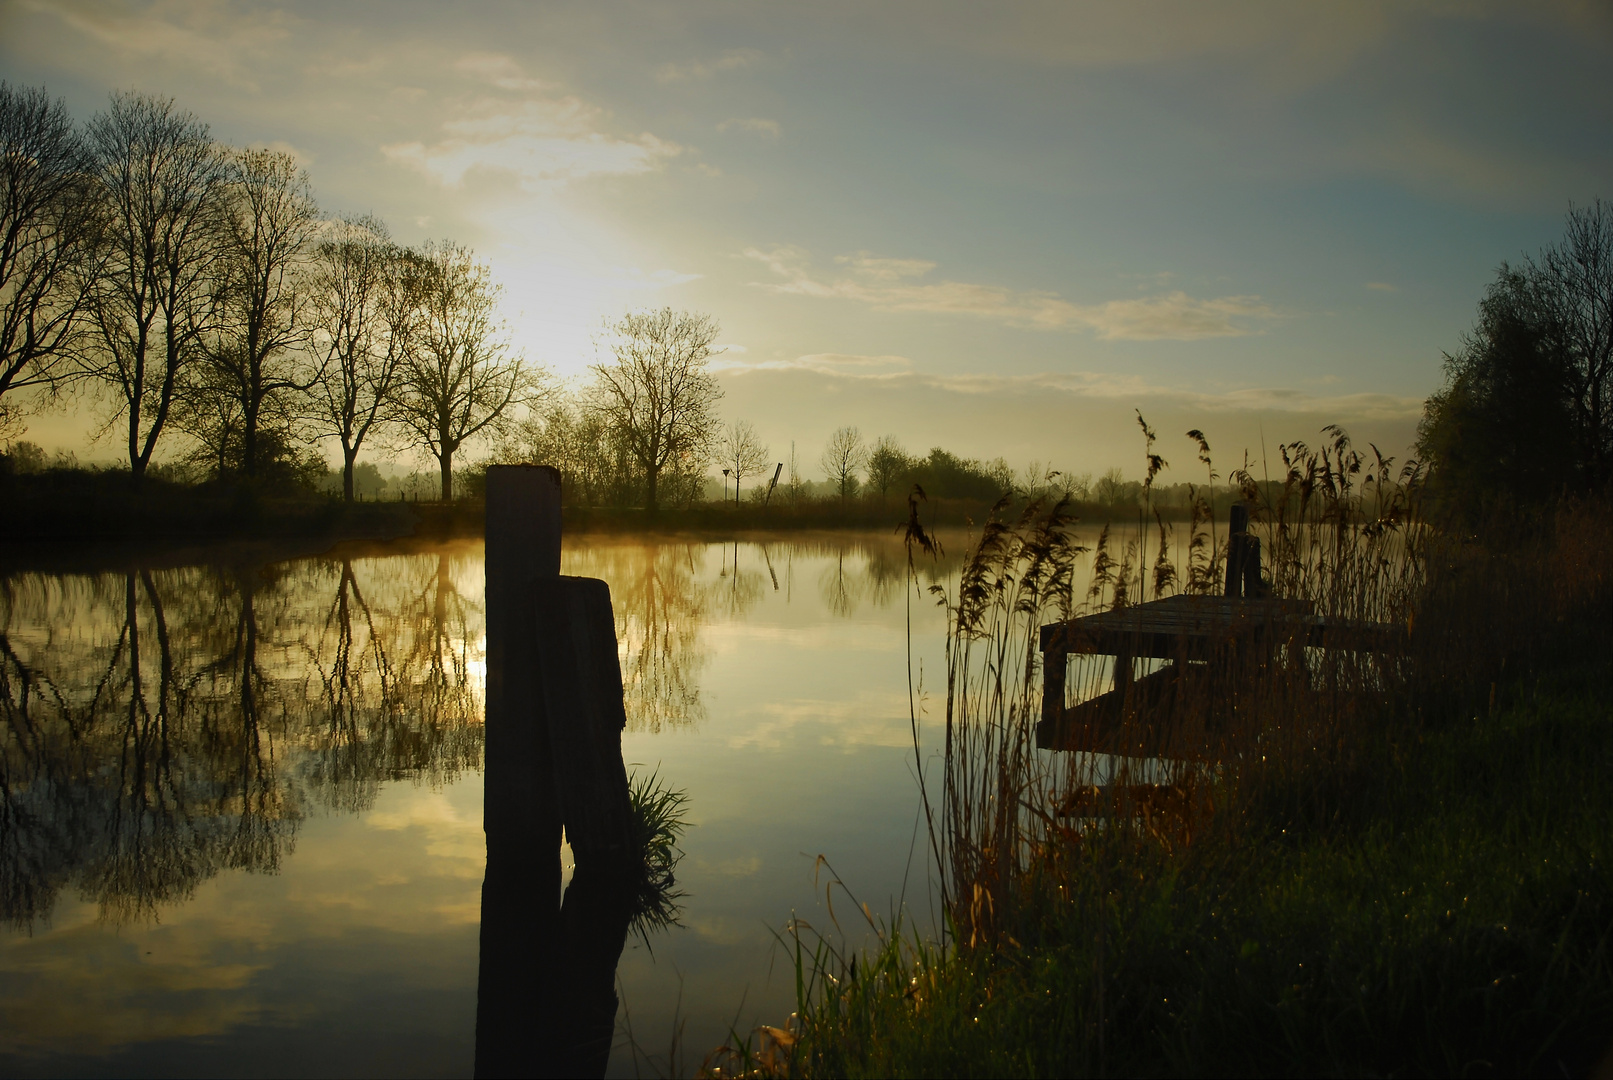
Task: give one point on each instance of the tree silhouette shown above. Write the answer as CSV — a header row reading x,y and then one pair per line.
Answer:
x,y
160,183
45,229
459,377
658,393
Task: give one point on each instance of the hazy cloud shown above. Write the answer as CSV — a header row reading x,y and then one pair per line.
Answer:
x,y
1381,286
1108,386
699,71
851,364
498,70
201,37
893,285
542,138
756,125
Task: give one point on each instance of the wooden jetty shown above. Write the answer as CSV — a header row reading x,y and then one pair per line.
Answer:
x,y
1213,644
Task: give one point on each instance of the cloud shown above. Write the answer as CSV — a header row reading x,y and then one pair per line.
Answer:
x,y
1091,385
699,71
894,285
824,364
1381,286
197,37
498,70
757,125
542,138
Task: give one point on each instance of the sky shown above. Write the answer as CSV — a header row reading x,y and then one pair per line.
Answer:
x,y
1001,229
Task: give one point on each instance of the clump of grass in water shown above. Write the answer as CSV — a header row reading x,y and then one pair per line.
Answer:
x,y
658,822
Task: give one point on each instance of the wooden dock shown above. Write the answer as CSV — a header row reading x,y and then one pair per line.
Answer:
x,y
1210,642
1213,646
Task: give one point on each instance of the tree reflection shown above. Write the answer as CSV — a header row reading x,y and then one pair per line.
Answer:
x,y
660,605
160,727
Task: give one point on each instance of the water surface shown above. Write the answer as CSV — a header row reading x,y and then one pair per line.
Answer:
x,y
242,828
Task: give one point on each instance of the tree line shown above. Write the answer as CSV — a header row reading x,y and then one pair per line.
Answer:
x,y
201,291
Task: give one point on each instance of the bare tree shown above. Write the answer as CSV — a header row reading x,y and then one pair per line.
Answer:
x,y
743,454
45,219
841,459
459,379
160,183
364,304
255,353
887,461
657,391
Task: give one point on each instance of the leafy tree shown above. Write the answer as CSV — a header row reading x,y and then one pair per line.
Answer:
x,y
46,222
1527,407
160,185
887,463
658,393
743,454
460,379
1501,426
842,458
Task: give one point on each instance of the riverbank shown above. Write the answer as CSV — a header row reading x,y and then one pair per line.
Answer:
x,y
1457,922
50,511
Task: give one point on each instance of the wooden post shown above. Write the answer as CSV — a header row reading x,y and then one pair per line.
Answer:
x,y
523,548
582,699
1236,547
1253,586
1055,668
518,1011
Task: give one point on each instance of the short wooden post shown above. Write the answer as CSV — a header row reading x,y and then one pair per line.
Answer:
x,y
1237,539
1254,586
582,700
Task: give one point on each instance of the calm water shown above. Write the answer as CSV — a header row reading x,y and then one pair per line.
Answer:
x,y
242,827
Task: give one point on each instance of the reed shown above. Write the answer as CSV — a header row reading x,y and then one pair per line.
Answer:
x,y
1316,861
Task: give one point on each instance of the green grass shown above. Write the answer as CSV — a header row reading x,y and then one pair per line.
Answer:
x,y
1455,922
658,823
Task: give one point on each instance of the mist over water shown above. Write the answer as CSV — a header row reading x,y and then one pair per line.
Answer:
x,y
242,822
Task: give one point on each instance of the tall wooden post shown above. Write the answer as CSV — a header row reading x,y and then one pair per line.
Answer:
x,y
518,1000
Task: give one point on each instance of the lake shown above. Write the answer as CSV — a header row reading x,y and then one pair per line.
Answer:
x,y
242,827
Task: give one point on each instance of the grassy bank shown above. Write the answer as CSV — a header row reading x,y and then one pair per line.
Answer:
x,y
1454,919
1338,862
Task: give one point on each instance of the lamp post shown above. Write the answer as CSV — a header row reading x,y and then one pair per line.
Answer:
x,y
725,473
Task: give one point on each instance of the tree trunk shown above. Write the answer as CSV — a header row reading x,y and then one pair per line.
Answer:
x,y
446,461
651,476
249,441
137,464
347,473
